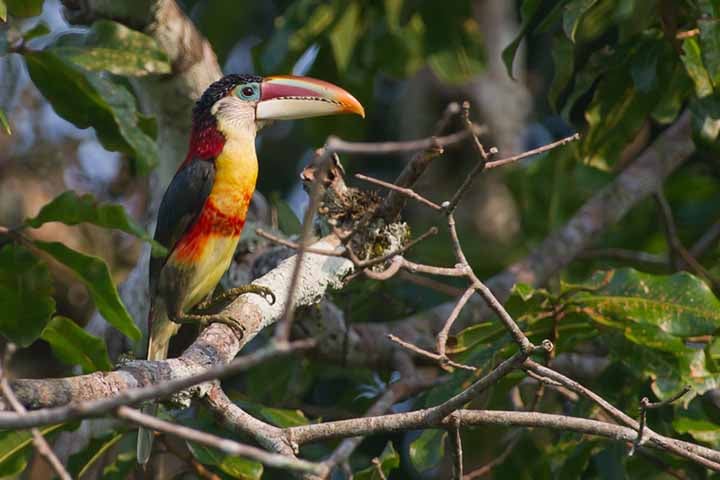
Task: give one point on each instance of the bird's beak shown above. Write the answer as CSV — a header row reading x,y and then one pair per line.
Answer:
x,y
287,97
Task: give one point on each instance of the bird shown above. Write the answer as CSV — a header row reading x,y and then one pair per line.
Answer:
x,y
203,210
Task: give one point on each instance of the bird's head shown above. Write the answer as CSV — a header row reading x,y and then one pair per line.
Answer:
x,y
239,105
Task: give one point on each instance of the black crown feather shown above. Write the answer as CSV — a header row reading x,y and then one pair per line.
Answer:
x,y
217,90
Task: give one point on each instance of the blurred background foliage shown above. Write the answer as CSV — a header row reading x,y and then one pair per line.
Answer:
x,y
617,71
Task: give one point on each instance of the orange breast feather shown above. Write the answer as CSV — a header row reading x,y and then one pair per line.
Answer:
x,y
211,222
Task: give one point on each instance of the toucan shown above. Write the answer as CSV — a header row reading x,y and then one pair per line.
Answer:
x,y
203,210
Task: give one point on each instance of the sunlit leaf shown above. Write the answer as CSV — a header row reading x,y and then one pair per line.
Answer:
x,y
26,299
88,99
710,47
95,275
80,463
573,16
344,35
702,430
3,11
75,346
692,59
428,450
15,448
111,46
236,467
4,122
24,8
705,119
37,31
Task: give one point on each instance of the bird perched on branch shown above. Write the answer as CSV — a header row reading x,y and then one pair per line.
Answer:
x,y
203,210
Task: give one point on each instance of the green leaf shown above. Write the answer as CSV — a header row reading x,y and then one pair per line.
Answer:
x,y
95,275
428,450
110,46
692,59
344,35
574,13
87,99
702,430
37,31
710,47
15,449
528,11
236,467
122,467
24,8
705,119
288,222
563,55
80,463
618,109
680,305
4,122
74,346
646,320
26,299
3,11
389,461
72,209
283,418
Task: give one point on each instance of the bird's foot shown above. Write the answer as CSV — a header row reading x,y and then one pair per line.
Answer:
x,y
205,320
233,293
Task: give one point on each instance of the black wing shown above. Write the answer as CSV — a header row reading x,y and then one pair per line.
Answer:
x,y
182,203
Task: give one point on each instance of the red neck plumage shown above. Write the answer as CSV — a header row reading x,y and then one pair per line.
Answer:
x,y
206,143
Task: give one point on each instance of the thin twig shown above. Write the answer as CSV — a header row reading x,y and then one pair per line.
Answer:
x,y
488,467
384,148
41,445
533,152
378,260
296,246
434,356
704,456
646,405
408,192
706,241
442,336
456,446
284,326
485,292
479,165
433,270
676,247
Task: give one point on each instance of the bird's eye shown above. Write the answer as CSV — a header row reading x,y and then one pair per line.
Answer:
x,y
248,91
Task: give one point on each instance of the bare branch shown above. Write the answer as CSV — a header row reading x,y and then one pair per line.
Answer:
x,y
338,145
533,152
226,445
408,192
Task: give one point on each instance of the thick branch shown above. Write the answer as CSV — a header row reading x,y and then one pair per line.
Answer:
x,y
216,346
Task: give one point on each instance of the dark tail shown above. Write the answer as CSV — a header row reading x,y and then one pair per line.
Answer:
x,y
160,330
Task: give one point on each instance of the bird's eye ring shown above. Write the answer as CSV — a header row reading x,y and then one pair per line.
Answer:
x,y
248,91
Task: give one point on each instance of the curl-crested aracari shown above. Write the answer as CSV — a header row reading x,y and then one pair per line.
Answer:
x,y
203,210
